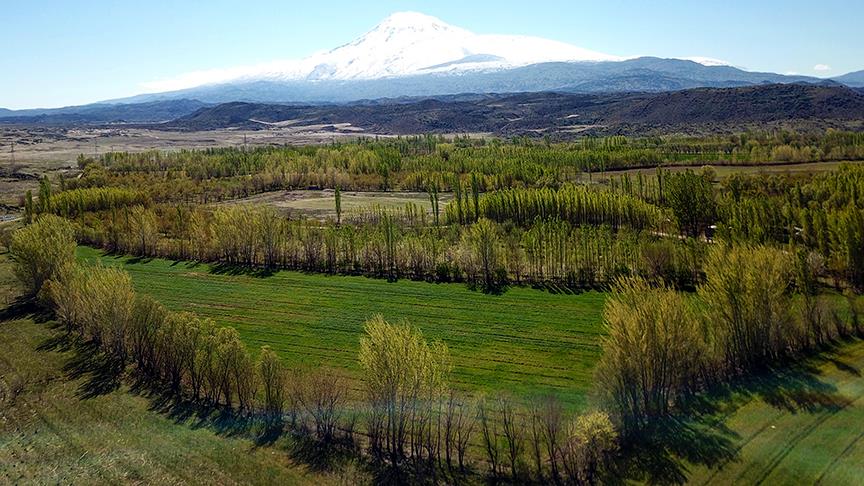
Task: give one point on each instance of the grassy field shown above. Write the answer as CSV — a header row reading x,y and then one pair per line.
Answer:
x,y
322,204
526,341
800,426
62,422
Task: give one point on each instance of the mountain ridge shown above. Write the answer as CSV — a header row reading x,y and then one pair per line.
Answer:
x,y
654,74
554,112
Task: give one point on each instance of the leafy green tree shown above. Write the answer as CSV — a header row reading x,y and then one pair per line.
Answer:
x,y
403,375
592,439
650,353
338,196
45,195
691,197
273,382
39,251
747,299
28,207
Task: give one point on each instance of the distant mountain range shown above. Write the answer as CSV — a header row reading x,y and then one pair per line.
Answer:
x,y
856,79
102,113
551,113
703,109
643,74
411,55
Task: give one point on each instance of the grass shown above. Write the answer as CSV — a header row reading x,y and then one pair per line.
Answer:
x,y
795,426
62,421
56,428
51,434
322,204
525,341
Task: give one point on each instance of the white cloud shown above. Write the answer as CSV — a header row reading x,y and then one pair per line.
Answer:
x,y
215,76
821,68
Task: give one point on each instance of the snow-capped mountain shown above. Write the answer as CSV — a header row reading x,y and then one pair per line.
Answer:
x,y
404,44
412,43
412,54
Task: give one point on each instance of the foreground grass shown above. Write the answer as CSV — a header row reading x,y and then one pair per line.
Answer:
x,y
62,422
800,426
55,430
524,341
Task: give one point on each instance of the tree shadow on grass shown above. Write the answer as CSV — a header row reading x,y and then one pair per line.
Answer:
x,y
135,260
240,270
699,436
795,388
59,340
101,374
318,456
559,288
222,420
661,453
25,308
843,366
260,429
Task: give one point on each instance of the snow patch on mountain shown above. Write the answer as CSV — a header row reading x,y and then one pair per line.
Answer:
x,y
707,61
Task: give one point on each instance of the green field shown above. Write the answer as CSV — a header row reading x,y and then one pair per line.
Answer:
x,y
60,423
63,422
525,341
51,434
799,427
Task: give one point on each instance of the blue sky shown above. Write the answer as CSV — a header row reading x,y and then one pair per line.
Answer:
x,y
57,52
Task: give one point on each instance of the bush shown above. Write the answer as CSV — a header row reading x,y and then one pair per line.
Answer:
x,y
591,439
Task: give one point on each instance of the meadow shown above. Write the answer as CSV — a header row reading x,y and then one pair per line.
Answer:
x,y
526,341
51,434
321,205
797,426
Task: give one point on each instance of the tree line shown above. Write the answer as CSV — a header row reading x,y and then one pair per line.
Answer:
x,y
758,307
400,243
413,163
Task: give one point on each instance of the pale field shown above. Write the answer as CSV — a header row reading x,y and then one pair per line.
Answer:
x,y
51,150
322,204
58,148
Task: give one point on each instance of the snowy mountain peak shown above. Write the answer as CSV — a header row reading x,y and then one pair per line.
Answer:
x,y
403,44
406,21
409,43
